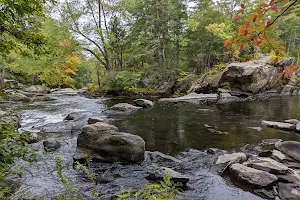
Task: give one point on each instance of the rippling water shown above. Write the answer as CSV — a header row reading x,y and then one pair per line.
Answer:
x,y
168,128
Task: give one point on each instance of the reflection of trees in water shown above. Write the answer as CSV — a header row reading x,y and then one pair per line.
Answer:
x,y
174,128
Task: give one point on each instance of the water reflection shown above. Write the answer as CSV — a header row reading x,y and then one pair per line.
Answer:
x,y
173,128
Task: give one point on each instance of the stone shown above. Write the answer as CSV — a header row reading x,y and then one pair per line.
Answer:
x,y
213,151
106,177
192,98
225,160
216,132
266,153
287,90
80,157
15,96
104,143
93,120
159,174
124,107
252,176
269,165
143,103
279,125
157,156
269,194
279,156
270,141
288,191
37,89
51,145
289,178
293,165
292,121
34,138
298,127
290,148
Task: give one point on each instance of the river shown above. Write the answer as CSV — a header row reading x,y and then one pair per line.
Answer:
x,y
175,129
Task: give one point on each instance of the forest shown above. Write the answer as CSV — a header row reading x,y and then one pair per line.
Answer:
x,y
135,46
149,99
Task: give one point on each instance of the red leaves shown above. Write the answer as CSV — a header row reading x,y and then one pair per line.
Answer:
x,y
236,17
246,32
268,22
271,2
227,43
274,9
264,5
243,6
254,19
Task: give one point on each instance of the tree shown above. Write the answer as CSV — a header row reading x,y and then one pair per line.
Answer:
x,y
19,24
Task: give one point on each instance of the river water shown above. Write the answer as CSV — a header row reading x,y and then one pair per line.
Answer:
x,y
174,129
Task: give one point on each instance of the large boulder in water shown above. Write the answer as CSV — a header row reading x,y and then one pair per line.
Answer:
x,y
290,148
37,89
252,176
104,143
225,160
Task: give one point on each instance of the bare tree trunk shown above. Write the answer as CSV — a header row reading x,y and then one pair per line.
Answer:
x,y
121,59
98,76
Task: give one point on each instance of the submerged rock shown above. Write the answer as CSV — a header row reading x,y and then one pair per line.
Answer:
x,y
143,103
124,107
292,121
104,143
290,148
279,125
225,160
161,172
51,145
93,120
252,176
34,138
216,132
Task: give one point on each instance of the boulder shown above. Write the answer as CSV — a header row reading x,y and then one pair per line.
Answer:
x,y
288,191
279,156
34,138
292,121
192,98
161,172
37,89
104,143
124,107
157,156
298,127
252,176
51,145
93,120
290,148
143,103
225,160
279,125
269,165
289,178
15,96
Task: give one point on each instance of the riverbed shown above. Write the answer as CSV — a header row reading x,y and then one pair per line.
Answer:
x,y
179,130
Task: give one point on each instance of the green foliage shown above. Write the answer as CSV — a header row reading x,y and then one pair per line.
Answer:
x,y
165,190
13,146
124,81
217,69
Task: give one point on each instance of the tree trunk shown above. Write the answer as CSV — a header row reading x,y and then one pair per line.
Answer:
x,y
98,76
2,72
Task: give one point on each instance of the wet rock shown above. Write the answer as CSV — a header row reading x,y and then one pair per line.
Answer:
x,y
269,165
65,91
124,107
288,191
225,160
256,128
252,176
41,98
227,97
51,145
143,103
270,141
213,151
279,156
289,178
80,157
192,98
106,177
34,138
102,142
249,149
12,95
216,132
289,148
93,120
292,121
293,165
279,125
73,116
298,127
287,90
157,156
269,194
37,89
159,174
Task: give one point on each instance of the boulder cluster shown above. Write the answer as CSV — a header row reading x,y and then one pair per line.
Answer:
x,y
271,173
